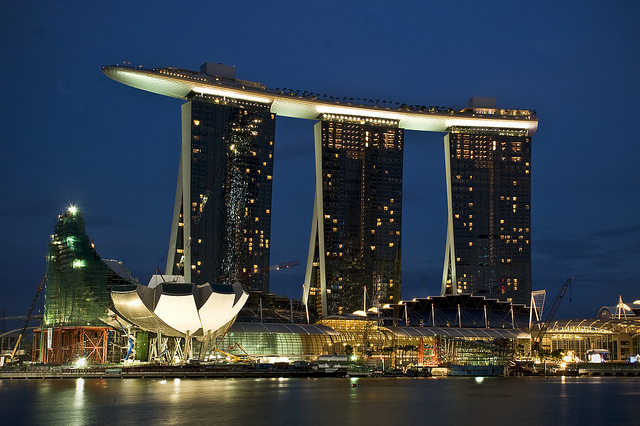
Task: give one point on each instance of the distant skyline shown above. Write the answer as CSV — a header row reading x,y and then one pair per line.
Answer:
x,y
72,135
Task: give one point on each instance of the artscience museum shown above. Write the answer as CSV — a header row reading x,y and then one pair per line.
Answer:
x,y
178,309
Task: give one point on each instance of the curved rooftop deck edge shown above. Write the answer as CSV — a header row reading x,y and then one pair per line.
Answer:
x,y
179,84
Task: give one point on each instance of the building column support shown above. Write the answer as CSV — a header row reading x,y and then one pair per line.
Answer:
x,y
182,204
449,278
317,229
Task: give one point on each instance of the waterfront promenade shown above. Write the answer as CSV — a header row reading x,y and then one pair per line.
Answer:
x,y
281,370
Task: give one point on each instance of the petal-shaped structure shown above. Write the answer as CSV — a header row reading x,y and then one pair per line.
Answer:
x,y
215,313
175,309
135,303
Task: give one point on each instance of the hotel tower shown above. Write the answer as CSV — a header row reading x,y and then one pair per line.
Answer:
x,y
354,251
488,248
221,227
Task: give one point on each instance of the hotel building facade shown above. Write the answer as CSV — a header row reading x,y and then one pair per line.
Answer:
x,y
354,251
488,248
221,227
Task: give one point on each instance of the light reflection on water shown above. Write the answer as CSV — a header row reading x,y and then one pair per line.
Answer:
x,y
79,396
522,401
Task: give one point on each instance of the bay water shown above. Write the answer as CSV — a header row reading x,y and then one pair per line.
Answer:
x,y
322,401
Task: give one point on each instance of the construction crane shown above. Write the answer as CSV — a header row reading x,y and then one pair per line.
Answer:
x,y
535,346
26,321
275,267
284,265
236,358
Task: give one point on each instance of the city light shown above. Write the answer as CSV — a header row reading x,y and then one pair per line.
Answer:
x,y
623,306
324,109
233,94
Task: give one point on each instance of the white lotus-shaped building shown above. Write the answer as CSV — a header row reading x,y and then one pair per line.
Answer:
x,y
172,307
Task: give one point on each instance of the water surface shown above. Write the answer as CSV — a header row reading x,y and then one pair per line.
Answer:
x,y
318,401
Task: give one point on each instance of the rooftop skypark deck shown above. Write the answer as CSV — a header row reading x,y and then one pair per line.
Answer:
x,y
184,84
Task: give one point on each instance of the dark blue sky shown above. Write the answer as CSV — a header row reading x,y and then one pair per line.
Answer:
x,y
71,135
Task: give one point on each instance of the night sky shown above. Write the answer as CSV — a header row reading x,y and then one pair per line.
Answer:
x,y
72,135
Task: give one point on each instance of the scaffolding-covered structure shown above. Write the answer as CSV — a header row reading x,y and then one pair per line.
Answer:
x,y
78,280
76,307
65,345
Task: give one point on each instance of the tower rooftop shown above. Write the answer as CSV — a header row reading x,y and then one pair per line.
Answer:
x,y
183,84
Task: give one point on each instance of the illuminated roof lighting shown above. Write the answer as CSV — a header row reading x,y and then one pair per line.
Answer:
x,y
235,94
361,112
182,86
623,306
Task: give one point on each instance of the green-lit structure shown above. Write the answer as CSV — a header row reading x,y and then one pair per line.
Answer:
x,y
78,280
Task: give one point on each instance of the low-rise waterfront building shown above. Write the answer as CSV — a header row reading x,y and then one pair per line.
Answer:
x,y
621,337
